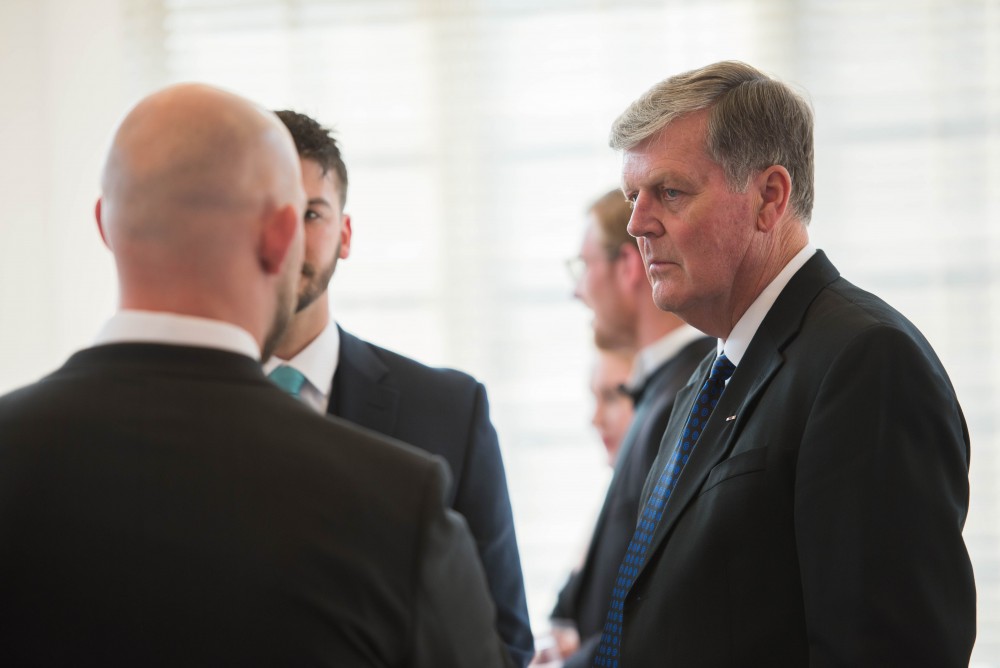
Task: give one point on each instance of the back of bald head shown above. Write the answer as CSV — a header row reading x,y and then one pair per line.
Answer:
x,y
190,158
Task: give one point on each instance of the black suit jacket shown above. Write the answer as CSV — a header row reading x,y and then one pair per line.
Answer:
x,y
585,597
446,413
168,506
819,519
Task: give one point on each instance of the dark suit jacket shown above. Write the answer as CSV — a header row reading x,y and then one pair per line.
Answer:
x,y
168,506
585,597
819,519
444,412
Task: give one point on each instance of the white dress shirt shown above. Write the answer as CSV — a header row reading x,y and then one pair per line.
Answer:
x,y
739,339
317,362
130,326
653,356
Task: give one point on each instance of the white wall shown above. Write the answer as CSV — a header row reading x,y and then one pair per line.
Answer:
x,y
62,94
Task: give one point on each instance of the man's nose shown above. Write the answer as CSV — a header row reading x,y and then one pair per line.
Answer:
x,y
641,222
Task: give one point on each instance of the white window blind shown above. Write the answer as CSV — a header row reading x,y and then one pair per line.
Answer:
x,y
474,133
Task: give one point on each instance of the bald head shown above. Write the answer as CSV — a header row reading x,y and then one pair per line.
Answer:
x,y
193,151
201,202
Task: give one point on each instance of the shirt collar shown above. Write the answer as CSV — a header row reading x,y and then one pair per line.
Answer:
x,y
133,326
739,339
656,354
317,361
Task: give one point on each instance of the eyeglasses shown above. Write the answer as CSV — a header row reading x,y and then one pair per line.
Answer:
x,y
577,266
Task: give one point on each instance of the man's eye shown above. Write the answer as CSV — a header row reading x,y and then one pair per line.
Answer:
x,y
671,193
310,215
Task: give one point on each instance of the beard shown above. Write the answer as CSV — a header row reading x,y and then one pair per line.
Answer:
x,y
604,340
610,337
283,312
317,281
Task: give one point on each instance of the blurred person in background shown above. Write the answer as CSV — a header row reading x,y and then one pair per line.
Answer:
x,y
611,281
612,415
613,408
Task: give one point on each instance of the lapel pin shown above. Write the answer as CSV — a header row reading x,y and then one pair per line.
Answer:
x,y
730,418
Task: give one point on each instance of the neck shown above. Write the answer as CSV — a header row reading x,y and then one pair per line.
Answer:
x,y
652,324
199,303
223,287
769,263
305,326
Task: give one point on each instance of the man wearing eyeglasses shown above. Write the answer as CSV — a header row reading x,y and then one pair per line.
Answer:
x,y
610,279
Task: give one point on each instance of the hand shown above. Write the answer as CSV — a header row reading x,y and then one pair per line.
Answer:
x,y
544,659
567,639
561,641
546,653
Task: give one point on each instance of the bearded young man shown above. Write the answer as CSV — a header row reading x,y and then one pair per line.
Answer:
x,y
441,411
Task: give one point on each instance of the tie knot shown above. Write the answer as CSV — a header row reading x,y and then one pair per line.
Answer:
x,y
288,379
722,369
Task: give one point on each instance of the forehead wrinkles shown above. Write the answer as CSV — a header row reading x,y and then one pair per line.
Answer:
x,y
636,165
650,166
679,150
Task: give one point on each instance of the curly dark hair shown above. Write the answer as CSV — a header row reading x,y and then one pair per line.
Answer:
x,y
315,142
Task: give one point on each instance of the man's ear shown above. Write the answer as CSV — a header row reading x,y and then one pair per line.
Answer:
x,y
100,223
277,236
774,185
345,236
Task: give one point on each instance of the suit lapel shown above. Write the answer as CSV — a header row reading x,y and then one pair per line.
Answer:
x,y
632,434
762,360
716,441
365,394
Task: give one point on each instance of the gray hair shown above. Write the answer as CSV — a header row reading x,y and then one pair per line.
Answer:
x,y
754,122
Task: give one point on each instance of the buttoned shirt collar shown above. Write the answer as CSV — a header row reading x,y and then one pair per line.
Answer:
x,y
318,363
656,354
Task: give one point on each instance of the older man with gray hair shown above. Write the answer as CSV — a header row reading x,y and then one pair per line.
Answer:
x,y
807,503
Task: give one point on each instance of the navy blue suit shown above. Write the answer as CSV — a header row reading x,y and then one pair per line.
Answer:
x,y
444,412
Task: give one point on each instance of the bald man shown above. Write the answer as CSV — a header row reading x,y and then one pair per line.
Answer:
x,y
161,502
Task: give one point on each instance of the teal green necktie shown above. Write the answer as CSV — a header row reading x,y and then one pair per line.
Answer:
x,y
288,379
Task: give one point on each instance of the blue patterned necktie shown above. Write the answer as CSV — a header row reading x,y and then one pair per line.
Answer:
x,y
635,556
288,379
